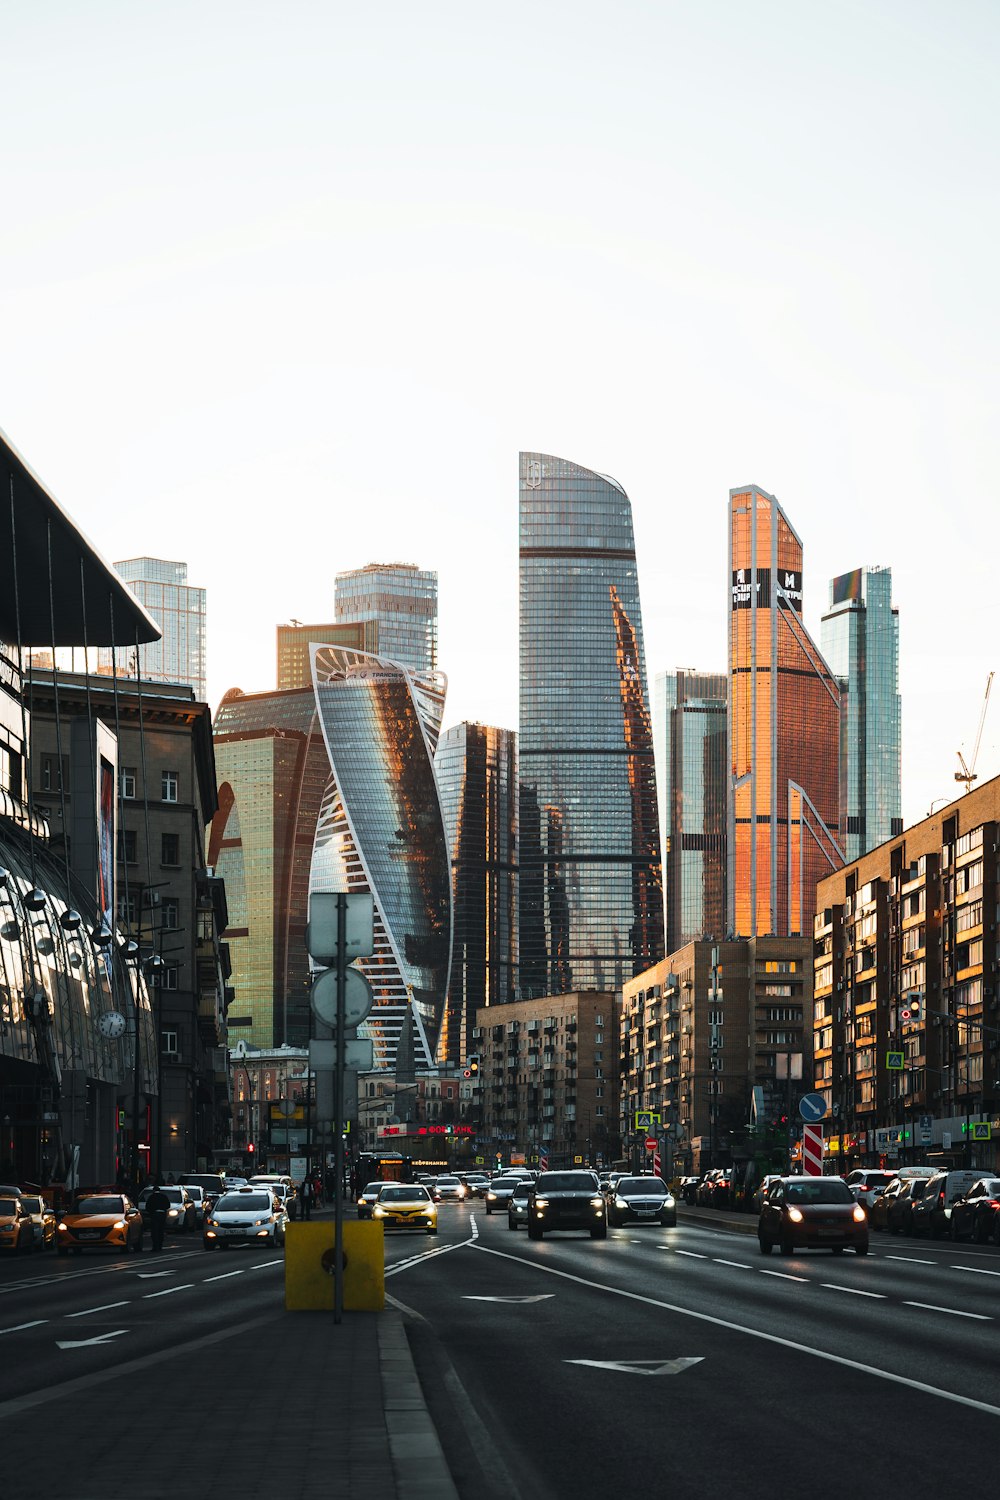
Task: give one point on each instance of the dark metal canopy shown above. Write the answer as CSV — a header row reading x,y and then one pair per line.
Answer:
x,y
33,526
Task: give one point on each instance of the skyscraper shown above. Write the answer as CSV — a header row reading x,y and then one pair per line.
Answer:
x,y
784,731
381,829
689,718
860,639
401,600
293,658
591,900
273,772
476,767
179,610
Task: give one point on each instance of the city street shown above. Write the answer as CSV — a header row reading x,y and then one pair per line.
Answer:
x,y
685,1360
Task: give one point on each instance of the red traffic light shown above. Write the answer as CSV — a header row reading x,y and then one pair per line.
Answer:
x,y
467,1073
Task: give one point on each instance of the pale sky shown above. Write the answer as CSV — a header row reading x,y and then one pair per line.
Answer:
x,y
284,289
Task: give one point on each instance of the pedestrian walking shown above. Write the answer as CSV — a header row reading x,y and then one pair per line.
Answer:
x,y
157,1206
306,1197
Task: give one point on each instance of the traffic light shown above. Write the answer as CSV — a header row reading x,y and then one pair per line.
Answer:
x,y
474,1065
251,1148
911,1012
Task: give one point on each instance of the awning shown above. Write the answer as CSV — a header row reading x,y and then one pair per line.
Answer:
x,y
32,521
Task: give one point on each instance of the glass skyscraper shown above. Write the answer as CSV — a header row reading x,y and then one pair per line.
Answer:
x,y
590,890
381,829
860,638
179,610
402,601
689,715
476,766
784,731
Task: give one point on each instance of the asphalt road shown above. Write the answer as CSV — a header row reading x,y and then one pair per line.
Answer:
x,y
684,1362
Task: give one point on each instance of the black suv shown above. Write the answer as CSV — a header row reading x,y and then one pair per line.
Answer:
x,y
566,1200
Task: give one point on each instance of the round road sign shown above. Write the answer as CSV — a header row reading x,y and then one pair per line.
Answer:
x,y
812,1107
651,1143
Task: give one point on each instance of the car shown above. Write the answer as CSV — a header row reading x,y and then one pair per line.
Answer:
x,y
43,1220
198,1198
248,1216
932,1215
517,1205
499,1191
899,1199
713,1189
100,1221
865,1182
567,1200
367,1197
814,1212
975,1215
760,1193
688,1188
16,1229
450,1190
213,1185
405,1205
642,1200
477,1184
282,1186
181,1218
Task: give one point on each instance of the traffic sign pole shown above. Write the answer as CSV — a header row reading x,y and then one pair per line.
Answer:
x,y
338,1121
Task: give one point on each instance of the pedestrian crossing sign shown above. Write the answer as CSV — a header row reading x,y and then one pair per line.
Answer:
x,y
645,1119
982,1130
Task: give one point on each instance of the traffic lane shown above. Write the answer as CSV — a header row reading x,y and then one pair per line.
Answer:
x,y
820,1303
454,1225
579,1390
62,1331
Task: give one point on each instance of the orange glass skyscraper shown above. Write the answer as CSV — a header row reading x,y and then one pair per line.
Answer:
x,y
784,730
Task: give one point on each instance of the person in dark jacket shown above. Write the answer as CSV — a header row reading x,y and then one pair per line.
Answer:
x,y
306,1197
157,1206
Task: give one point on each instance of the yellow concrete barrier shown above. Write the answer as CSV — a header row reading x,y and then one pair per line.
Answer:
x,y
309,1266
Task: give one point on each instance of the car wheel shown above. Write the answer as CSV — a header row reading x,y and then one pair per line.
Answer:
x,y
861,1249
488,1209
787,1247
599,1232
982,1233
432,1229
953,1233
511,1223
766,1246
534,1231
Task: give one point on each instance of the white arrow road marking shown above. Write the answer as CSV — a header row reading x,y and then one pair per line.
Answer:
x,y
639,1366
542,1297
102,1338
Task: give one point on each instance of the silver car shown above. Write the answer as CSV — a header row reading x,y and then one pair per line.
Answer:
x,y
499,1192
248,1216
517,1205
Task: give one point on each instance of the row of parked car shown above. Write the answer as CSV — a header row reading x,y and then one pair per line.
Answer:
x,y
962,1204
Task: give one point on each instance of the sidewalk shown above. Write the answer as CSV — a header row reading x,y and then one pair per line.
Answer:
x,y
289,1404
717,1218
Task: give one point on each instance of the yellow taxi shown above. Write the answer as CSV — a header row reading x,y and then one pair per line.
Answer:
x,y
406,1205
100,1221
16,1230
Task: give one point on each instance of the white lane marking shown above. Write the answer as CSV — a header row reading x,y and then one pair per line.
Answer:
x,y
152,1275
264,1264
474,1227
976,1270
833,1287
168,1291
102,1338
105,1308
18,1326
784,1275
661,1246
756,1333
930,1307
416,1260
692,1254
910,1261
641,1366
540,1297
741,1265
225,1276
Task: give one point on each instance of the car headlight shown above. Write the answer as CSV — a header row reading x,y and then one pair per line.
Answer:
x,y
668,1200
598,1203
620,1203
63,1229
172,1213
795,1214
214,1223
493,1196
859,1214
541,1202
119,1224
378,1212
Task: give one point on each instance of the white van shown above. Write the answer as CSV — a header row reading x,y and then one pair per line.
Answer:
x,y
932,1215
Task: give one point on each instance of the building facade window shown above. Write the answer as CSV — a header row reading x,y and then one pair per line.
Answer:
x,y
169,782
128,782
128,846
170,913
170,849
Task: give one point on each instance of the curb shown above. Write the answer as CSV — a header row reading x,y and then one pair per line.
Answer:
x,y
708,1219
418,1460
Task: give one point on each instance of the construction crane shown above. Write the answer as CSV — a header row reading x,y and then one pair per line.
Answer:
x,y
968,771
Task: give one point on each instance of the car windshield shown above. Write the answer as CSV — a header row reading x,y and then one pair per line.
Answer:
x,y
8,1208
403,1195
194,1192
374,1188
447,1182
819,1191
522,1190
33,1205
98,1206
232,1203
652,1187
566,1182
506,1182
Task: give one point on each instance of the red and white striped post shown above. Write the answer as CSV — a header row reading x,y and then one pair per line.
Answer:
x,y
812,1150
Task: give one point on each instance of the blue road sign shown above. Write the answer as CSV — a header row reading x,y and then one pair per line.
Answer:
x,y
812,1107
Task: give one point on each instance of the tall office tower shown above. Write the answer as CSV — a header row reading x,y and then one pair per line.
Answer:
x,y
860,638
476,767
402,601
381,830
591,898
784,731
689,716
179,610
294,663
273,771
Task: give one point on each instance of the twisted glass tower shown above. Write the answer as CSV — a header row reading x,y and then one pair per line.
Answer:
x,y
591,899
381,829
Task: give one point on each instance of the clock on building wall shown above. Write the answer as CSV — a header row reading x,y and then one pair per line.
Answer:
x,y
111,1025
